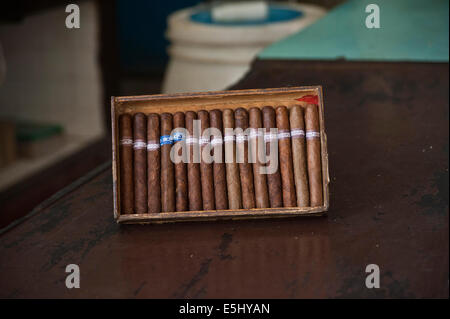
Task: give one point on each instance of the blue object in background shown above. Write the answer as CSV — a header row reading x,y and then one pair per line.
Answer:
x,y
141,27
410,30
275,14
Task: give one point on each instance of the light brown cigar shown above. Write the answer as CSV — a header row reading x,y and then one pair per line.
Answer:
x,y
245,168
140,163
299,155
167,169
232,168
206,169
285,159
313,155
181,187
257,151
194,184
153,164
126,164
220,182
274,179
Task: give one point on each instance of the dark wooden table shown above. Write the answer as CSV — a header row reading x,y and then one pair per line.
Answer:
x,y
387,128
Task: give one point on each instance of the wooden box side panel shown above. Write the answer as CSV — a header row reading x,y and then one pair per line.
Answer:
x,y
115,159
324,152
212,100
220,215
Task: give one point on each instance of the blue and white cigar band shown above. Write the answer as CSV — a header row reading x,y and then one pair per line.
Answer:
x,y
241,138
191,140
254,134
283,135
165,139
297,133
216,141
152,145
177,137
229,138
269,137
312,134
126,141
140,145
204,141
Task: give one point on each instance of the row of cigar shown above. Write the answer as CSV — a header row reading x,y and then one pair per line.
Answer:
x,y
150,182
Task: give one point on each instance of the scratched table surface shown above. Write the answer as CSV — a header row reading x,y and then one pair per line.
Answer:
x,y
387,126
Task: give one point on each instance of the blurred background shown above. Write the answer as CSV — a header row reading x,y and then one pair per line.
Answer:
x,y
56,82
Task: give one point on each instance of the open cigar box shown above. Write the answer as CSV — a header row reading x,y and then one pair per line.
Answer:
x,y
171,103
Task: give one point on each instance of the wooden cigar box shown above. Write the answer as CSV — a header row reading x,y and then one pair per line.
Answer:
x,y
183,102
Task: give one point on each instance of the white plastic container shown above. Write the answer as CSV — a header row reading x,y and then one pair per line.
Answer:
x,y
207,56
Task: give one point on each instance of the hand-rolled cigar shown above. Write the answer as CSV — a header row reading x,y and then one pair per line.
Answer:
x,y
299,155
206,169
257,152
140,163
313,154
167,169
126,164
245,168
193,166
181,183
274,179
285,152
153,164
220,182
232,168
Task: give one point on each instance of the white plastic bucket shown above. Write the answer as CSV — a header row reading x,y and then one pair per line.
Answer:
x,y
209,56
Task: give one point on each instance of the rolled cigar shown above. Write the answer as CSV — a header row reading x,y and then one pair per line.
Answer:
x,y
206,169
167,169
299,155
285,152
193,167
245,168
181,183
220,182
153,164
257,151
274,179
126,164
140,163
232,168
313,155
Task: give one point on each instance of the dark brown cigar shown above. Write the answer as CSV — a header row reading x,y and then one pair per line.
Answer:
x,y
140,163
299,155
153,164
194,184
181,187
245,168
274,179
220,182
126,164
257,152
206,169
313,154
167,169
286,167
232,168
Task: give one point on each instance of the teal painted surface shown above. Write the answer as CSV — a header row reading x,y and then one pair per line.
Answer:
x,y
410,30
